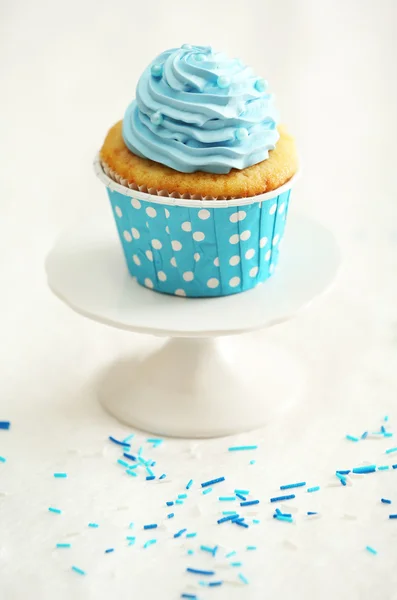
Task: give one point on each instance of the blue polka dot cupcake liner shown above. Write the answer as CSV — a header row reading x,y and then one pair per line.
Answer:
x,y
198,248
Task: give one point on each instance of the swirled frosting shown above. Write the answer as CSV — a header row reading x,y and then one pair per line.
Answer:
x,y
197,110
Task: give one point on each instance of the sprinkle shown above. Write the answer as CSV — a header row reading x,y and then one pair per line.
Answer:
x,y
109,550
189,484
170,516
364,435
278,513
210,550
284,518
310,513
150,472
386,418
130,538
212,482
170,503
341,477
313,489
280,498
394,466
131,525
63,545
149,543
243,498
385,501
2,459
242,578
150,526
352,438
229,512
371,550
383,468
387,434
132,473
129,456
128,438
345,472
156,441
249,502
150,478
232,553
190,552
214,583
393,516
256,521
251,548
93,525
123,463
236,564
242,492
238,448
228,518
118,442
207,490
390,450
77,570
226,498
241,523
199,571
365,469
181,496
179,533
191,535
289,486
192,596
382,429
5,424
55,510
181,501
163,476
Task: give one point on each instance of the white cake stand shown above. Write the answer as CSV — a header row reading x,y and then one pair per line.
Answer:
x,y
197,384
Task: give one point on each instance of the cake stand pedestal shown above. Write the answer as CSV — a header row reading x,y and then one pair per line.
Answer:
x,y
199,383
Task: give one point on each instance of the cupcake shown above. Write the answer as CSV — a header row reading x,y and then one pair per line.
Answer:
x,y
199,175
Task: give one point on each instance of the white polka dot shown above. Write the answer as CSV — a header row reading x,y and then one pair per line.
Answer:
x,y
198,236
271,268
238,216
162,276
149,254
176,245
281,208
118,212
157,244
167,229
180,292
250,253
268,255
136,259
147,225
263,241
186,226
213,283
173,261
234,239
254,272
216,261
188,276
275,239
196,256
127,236
234,260
135,203
167,213
151,212
234,282
204,214
245,235
135,233
148,282
273,209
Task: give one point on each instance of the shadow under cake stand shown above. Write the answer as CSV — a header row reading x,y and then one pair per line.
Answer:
x,y
199,383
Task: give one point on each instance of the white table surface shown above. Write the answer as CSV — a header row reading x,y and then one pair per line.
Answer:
x,y
67,72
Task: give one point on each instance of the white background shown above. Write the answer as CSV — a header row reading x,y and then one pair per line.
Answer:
x,y
67,72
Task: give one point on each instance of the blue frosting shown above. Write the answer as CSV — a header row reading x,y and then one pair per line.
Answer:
x,y
197,110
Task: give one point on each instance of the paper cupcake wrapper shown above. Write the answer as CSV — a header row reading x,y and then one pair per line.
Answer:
x,y
198,248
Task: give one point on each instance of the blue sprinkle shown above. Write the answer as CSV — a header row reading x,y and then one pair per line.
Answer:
x,y
207,490
383,468
256,521
179,533
394,466
252,462
242,578
365,469
284,518
199,571
150,477
109,550
226,498
215,583
149,543
241,497
129,456
190,552
182,496
191,535
392,516
385,501
150,472
153,463
123,463
278,513
242,492
382,428
313,489
79,571
237,448
345,472
55,510
210,550
289,486
93,525
232,553
340,476
388,434
249,503
189,484
240,522
2,459
131,525
155,441
63,545
310,512
386,418
118,442
352,438
170,516
281,498
150,526
212,482
236,564
364,435
229,512
228,518
169,503
5,424
130,538
191,596
371,550
251,547
390,450
163,476
181,501
128,438
132,473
